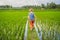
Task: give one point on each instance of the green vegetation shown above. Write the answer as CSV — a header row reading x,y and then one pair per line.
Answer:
x,y
12,24
13,21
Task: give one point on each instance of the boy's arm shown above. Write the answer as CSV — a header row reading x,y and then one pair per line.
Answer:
x,y
28,16
35,16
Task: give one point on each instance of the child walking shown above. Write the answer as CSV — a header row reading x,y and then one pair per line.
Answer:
x,y
31,18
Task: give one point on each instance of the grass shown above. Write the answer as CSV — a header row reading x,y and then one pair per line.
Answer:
x,y
12,25
49,16
12,22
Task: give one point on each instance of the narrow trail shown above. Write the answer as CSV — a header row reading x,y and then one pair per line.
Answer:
x,y
32,35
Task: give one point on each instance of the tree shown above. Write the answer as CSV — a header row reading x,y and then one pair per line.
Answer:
x,y
42,5
8,6
58,6
48,5
52,5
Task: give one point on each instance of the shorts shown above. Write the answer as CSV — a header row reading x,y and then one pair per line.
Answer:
x,y
31,23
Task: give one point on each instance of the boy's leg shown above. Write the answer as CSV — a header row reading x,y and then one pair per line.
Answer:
x,y
31,25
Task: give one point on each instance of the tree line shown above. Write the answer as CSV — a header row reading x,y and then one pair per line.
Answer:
x,y
51,5
5,6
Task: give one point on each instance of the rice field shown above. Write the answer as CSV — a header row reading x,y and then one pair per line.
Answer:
x,y
13,23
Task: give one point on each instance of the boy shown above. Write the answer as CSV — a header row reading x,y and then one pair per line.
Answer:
x,y
31,18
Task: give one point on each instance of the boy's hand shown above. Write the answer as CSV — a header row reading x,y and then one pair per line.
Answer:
x,y
28,18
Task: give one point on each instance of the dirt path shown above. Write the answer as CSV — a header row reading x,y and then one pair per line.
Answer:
x,y
32,35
